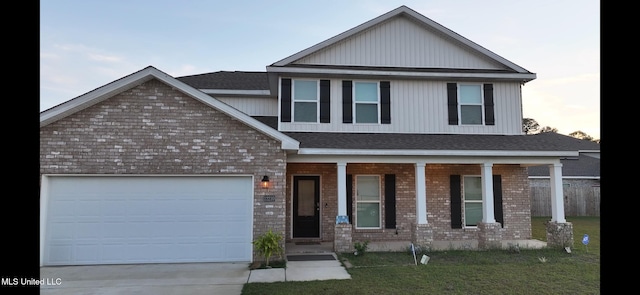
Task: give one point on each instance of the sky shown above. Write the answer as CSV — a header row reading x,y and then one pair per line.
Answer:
x,y
87,44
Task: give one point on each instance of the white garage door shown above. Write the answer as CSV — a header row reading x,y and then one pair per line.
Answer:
x,y
144,219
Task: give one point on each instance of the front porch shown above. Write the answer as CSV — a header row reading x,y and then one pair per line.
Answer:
x,y
415,203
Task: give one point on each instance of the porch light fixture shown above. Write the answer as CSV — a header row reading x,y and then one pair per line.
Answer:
x,y
265,181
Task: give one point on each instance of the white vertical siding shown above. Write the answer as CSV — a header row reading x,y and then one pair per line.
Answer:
x,y
253,106
400,42
421,107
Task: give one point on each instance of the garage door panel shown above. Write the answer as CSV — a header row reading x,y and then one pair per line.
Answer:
x,y
107,220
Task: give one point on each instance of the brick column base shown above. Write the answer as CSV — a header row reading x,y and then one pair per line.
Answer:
x,y
489,235
559,235
343,238
422,235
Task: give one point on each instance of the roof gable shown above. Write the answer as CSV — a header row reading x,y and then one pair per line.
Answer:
x,y
102,93
362,46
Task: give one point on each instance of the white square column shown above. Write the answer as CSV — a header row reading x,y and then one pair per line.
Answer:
x,y
488,214
557,196
421,194
342,189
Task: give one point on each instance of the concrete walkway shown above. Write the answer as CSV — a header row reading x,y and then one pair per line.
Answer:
x,y
301,271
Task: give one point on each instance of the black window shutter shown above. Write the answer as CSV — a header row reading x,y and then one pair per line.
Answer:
x,y
497,199
389,201
325,101
285,100
350,198
456,201
452,103
347,102
385,105
488,105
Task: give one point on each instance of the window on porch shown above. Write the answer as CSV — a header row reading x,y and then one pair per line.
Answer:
x,y
472,199
368,201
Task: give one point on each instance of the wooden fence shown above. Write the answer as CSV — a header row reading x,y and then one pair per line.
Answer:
x,y
578,201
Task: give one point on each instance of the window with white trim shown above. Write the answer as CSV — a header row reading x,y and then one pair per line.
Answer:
x,y
472,200
305,100
366,102
470,98
368,201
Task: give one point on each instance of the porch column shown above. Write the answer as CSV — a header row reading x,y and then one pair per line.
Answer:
x,y
557,197
421,231
343,230
342,189
421,194
488,215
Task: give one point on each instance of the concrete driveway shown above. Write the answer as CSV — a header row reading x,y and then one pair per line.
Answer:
x,y
157,279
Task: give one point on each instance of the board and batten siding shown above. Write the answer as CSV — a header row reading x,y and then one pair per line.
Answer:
x,y
400,42
253,106
421,107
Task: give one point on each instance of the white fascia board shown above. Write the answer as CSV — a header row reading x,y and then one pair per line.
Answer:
x,y
403,74
567,177
401,10
397,159
236,92
457,153
104,92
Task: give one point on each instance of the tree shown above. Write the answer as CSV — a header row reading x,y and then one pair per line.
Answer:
x,y
581,135
530,126
548,129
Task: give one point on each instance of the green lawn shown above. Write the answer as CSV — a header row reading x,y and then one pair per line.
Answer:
x,y
543,271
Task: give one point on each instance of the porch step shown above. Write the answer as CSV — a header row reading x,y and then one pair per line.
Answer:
x,y
305,248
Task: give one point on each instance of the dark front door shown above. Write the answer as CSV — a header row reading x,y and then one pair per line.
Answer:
x,y
306,206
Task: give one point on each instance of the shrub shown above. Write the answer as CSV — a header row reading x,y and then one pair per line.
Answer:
x,y
361,248
268,244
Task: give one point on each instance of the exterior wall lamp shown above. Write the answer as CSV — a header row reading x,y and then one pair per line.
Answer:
x,y
265,181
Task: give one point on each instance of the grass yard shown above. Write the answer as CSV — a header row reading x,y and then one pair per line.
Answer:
x,y
543,271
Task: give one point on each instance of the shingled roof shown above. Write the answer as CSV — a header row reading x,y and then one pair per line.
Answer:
x,y
405,141
581,166
228,80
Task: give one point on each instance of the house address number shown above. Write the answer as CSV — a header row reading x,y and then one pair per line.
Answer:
x,y
269,198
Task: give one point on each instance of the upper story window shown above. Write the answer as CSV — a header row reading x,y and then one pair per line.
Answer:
x,y
366,102
472,199
305,100
470,104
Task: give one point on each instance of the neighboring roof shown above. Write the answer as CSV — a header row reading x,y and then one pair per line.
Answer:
x,y
573,167
455,142
402,11
102,93
228,80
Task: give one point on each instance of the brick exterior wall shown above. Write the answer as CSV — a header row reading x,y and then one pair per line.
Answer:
x,y
515,193
155,129
515,201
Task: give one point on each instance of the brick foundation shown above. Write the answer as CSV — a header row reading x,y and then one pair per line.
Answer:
x,y
489,235
559,235
422,235
343,241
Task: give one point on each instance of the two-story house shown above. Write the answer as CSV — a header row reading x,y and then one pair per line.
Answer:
x,y
396,130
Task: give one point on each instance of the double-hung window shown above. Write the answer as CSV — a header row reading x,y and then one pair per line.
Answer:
x,y
472,199
305,100
367,102
470,104
367,201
